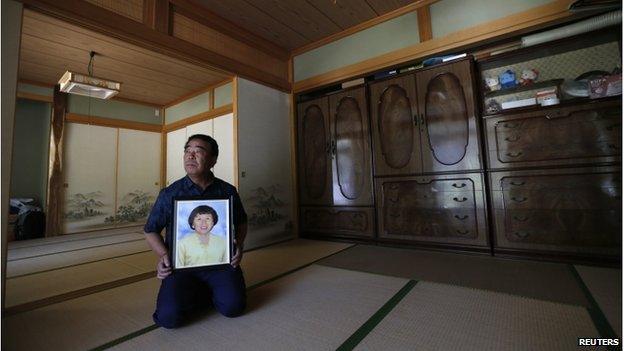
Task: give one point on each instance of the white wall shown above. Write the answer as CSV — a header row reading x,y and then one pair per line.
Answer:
x,y
11,27
264,166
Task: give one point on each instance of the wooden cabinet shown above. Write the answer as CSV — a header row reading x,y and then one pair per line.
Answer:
x,y
334,150
578,134
395,124
561,210
425,122
339,221
444,209
448,126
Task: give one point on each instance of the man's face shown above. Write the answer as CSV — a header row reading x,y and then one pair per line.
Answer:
x,y
198,159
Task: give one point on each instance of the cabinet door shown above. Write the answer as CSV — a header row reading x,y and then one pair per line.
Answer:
x,y
90,172
564,210
588,133
350,148
138,175
449,134
314,147
447,209
175,155
396,139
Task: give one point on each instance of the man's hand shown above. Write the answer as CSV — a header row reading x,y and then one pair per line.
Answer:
x,y
238,255
163,268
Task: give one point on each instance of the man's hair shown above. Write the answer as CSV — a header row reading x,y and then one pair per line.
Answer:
x,y
203,209
214,147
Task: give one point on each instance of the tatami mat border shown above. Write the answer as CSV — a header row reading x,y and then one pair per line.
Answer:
x,y
79,249
255,286
598,317
73,239
375,319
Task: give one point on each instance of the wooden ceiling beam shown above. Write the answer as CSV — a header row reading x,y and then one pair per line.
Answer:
x,y
199,13
111,24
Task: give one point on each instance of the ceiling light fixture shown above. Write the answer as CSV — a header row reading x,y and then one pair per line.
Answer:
x,y
88,85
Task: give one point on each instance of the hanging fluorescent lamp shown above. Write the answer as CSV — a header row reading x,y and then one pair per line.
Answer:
x,y
88,85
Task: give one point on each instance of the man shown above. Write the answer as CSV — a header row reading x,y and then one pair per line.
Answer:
x,y
183,293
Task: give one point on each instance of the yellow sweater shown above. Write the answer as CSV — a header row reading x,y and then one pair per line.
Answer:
x,y
191,252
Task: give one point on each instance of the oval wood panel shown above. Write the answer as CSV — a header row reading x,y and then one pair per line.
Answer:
x,y
350,153
446,118
395,126
315,158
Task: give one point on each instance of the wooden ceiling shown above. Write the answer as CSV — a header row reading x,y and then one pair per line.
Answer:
x,y
50,47
292,24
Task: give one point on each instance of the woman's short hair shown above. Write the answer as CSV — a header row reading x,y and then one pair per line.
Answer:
x,y
203,209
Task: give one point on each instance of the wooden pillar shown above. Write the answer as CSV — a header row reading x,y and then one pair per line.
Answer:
x,y
56,190
157,15
424,23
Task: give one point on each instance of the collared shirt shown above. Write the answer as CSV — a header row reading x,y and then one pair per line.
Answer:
x,y
161,215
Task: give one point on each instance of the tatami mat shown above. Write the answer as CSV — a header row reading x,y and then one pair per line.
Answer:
x,y
71,258
73,237
605,285
28,288
92,320
316,308
541,280
443,317
42,250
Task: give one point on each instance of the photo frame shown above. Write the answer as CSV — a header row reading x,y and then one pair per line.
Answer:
x,y
202,233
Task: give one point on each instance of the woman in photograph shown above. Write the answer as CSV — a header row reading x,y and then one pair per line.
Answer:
x,y
201,247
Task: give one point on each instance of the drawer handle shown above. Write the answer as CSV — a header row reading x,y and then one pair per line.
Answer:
x,y
462,232
415,119
517,183
519,199
514,154
462,217
460,200
512,139
521,219
521,234
459,186
557,115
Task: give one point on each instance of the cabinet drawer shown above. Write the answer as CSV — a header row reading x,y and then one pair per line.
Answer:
x,y
564,210
428,209
339,221
588,133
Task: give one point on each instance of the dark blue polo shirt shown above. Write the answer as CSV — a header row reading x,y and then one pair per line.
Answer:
x,y
161,215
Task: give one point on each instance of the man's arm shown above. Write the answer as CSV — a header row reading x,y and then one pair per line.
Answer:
x,y
157,244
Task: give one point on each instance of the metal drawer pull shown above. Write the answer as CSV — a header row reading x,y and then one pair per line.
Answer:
x,y
557,115
462,217
462,232
518,183
512,139
459,186
521,235
514,154
511,125
521,219
460,200
519,199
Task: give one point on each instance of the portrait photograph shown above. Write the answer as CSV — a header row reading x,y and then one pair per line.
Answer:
x,y
202,233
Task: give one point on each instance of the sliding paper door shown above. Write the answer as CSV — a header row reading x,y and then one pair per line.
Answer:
x,y
175,154
138,175
90,177
224,135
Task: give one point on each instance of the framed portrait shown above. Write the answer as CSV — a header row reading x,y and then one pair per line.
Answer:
x,y
202,233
